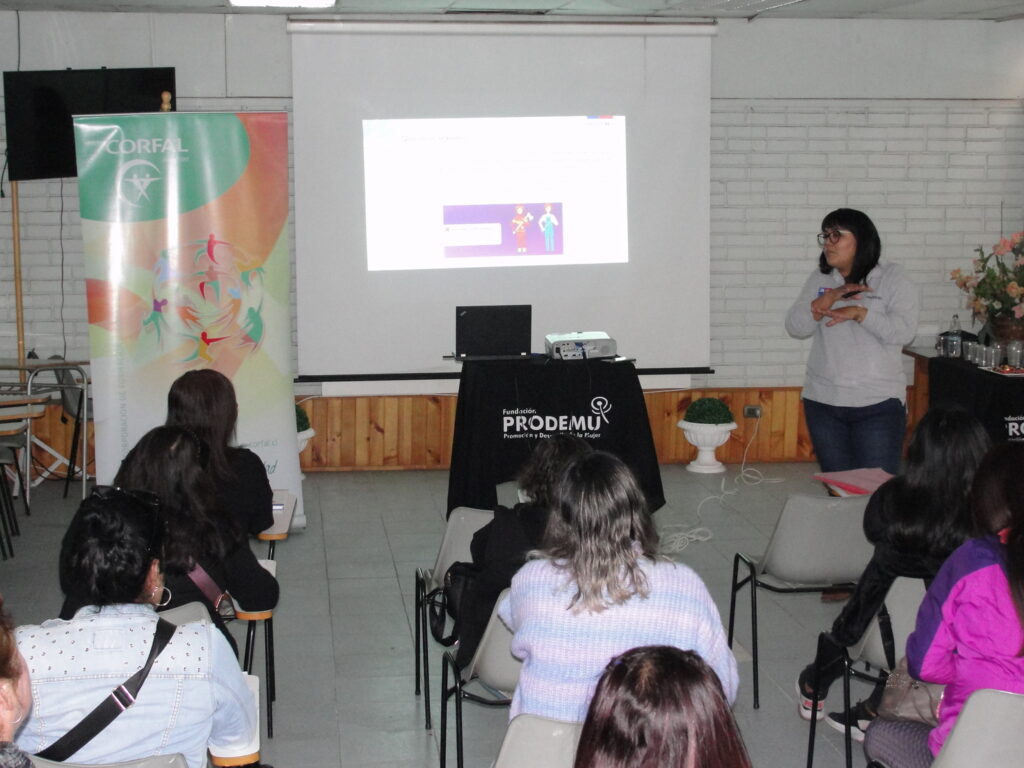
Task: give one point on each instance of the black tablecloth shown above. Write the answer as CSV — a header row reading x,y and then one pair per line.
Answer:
x,y
506,406
997,401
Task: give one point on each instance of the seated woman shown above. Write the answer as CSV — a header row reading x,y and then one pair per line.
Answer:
x,y
205,553
203,402
195,695
500,547
660,706
915,520
15,694
599,588
970,627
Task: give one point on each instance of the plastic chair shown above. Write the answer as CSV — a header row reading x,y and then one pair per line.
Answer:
x,y
538,742
987,733
175,760
458,534
818,544
493,667
901,605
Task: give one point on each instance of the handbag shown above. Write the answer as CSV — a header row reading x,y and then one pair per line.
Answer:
x,y
221,600
905,698
120,699
446,602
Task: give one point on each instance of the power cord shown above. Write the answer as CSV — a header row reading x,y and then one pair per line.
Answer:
x,y
677,542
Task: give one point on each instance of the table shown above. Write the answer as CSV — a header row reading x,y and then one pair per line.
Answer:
x,y
997,401
33,367
284,510
506,406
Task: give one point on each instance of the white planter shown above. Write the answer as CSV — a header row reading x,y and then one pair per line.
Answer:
x,y
304,437
705,438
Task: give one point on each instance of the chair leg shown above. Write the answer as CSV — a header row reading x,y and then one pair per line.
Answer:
x,y
6,542
268,637
74,448
416,638
848,735
753,643
425,659
444,713
458,718
21,482
250,638
8,506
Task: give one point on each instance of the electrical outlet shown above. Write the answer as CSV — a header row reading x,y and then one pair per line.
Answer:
x,y
752,411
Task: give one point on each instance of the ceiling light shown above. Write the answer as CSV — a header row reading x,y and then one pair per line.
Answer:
x,y
283,3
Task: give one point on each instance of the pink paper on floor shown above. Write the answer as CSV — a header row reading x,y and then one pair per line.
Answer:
x,y
855,481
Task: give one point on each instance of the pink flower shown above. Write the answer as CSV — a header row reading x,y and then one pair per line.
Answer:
x,y
1017,237
1018,311
1013,289
1003,247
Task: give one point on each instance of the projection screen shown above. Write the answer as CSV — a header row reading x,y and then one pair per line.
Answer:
x,y
565,166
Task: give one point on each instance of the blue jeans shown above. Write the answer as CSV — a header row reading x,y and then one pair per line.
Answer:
x,y
851,438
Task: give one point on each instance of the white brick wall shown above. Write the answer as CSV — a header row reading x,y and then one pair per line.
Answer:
x,y
938,177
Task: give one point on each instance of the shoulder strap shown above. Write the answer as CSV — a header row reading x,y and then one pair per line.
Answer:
x,y
206,584
113,705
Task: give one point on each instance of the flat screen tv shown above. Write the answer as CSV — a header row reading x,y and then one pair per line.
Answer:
x,y
39,105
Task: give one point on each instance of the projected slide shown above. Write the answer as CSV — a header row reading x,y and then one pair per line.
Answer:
x,y
495,192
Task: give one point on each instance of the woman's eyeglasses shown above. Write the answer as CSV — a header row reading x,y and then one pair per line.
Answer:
x,y
832,236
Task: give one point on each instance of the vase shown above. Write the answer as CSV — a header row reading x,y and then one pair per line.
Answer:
x,y
705,438
1006,328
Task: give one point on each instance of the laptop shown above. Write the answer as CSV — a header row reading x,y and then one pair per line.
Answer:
x,y
493,332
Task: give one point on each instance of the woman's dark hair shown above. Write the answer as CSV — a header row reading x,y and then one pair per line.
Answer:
x,y
204,402
9,667
538,476
168,461
998,504
869,244
660,707
598,519
934,491
110,546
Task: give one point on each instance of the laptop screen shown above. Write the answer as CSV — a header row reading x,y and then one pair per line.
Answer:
x,y
492,331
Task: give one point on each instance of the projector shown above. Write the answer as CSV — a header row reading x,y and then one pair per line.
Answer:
x,y
581,345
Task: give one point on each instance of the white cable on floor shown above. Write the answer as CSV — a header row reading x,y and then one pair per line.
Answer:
x,y
676,542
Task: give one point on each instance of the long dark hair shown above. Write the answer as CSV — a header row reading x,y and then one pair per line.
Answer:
x,y
109,547
598,519
9,667
203,402
998,504
660,707
869,244
934,490
540,473
168,461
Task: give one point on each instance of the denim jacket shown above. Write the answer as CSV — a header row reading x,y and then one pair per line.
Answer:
x,y
195,695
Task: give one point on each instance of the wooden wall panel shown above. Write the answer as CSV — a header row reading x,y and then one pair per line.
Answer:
x,y
415,432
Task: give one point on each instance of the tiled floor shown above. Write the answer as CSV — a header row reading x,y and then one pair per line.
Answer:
x,y
343,630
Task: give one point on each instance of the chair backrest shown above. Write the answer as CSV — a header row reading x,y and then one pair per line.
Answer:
x,y
987,733
818,540
156,761
463,522
538,742
508,493
70,391
901,602
493,663
184,614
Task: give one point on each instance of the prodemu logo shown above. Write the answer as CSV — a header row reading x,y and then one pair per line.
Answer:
x,y
1014,427
517,423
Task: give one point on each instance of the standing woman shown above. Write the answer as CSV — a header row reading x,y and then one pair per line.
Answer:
x,y
861,314
15,694
204,402
598,588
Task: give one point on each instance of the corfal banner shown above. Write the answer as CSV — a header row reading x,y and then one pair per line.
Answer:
x,y
185,228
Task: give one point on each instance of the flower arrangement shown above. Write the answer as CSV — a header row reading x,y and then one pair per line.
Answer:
x,y
995,286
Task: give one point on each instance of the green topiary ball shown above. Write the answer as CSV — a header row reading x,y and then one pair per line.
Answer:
x,y
301,419
708,410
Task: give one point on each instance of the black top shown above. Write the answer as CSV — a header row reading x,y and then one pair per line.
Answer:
x,y
250,585
247,495
910,559
499,549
